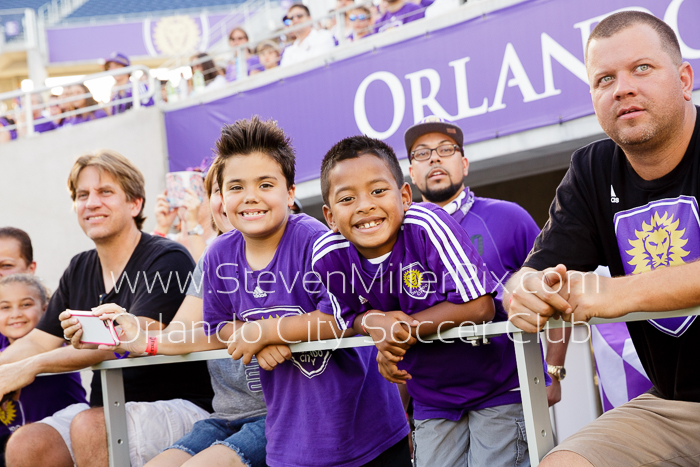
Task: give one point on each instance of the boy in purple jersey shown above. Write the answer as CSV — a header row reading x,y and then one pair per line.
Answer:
x,y
325,408
386,254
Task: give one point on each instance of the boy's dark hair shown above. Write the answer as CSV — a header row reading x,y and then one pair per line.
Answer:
x,y
248,136
356,146
26,252
625,19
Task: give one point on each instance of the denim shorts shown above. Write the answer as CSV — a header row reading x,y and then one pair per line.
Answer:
x,y
246,437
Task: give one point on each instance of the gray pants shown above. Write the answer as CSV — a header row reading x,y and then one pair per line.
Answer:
x,y
493,437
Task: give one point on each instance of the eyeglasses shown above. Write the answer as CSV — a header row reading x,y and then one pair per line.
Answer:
x,y
445,150
359,17
288,19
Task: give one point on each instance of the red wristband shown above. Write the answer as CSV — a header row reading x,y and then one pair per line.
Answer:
x,y
152,346
362,323
155,232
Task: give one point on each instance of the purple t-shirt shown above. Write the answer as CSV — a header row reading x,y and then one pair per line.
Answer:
x,y
325,408
40,399
82,118
127,93
502,232
252,63
407,13
432,261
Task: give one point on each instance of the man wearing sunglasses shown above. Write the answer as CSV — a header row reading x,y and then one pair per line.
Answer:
x,y
310,42
502,232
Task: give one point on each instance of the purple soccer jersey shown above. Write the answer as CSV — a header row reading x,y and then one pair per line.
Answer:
x,y
325,408
432,261
502,232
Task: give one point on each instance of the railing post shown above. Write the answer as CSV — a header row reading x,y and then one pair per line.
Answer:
x,y
29,113
340,22
136,103
115,417
533,391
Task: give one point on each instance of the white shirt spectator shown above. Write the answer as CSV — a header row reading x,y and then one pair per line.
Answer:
x,y
316,43
216,83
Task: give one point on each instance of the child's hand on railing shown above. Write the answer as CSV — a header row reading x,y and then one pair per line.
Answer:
x,y
392,332
273,355
247,341
390,371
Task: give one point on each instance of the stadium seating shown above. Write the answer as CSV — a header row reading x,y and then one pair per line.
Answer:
x,y
96,8
11,4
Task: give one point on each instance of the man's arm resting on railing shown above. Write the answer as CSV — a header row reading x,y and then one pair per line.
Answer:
x,y
36,342
19,374
532,297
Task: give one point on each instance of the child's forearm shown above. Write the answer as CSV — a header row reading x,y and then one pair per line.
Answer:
x,y
447,315
301,328
178,342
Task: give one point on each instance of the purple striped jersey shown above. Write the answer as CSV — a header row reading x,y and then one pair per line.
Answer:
x,y
432,261
325,408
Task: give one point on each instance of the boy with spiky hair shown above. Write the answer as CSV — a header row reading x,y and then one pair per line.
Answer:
x,y
414,257
325,408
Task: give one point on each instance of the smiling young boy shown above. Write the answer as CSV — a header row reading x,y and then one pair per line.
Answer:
x,y
325,408
385,255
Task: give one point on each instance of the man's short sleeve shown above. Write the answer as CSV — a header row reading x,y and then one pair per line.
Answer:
x,y
569,237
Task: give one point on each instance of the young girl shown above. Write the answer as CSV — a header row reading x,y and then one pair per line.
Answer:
x,y
23,300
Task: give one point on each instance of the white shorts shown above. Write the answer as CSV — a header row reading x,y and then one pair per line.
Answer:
x,y
151,426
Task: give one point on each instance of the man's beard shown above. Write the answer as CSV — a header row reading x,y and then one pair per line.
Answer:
x,y
440,195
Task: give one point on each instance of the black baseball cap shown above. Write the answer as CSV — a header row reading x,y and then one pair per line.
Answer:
x,y
432,124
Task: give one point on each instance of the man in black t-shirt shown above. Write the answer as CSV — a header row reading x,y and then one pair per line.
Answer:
x,y
630,203
144,274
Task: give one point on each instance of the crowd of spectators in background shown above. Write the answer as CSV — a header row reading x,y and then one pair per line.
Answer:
x,y
300,39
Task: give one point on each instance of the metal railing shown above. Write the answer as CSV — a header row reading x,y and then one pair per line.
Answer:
x,y
281,37
23,114
55,10
528,354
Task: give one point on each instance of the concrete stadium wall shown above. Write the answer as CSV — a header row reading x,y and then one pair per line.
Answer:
x,y
34,171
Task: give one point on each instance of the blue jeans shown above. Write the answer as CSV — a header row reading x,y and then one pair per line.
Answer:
x,y
246,437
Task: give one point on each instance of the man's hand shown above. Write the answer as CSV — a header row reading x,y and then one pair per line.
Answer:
x,y
392,332
536,297
592,296
14,376
554,392
390,371
247,341
273,355
72,330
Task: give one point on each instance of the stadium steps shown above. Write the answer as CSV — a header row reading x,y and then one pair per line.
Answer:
x,y
98,8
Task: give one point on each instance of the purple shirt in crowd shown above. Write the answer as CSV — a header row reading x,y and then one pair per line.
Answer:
x,y
502,232
40,399
127,93
432,261
82,118
407,13
252,63
325,408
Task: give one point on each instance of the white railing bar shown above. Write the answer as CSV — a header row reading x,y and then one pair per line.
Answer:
x,y
528,354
